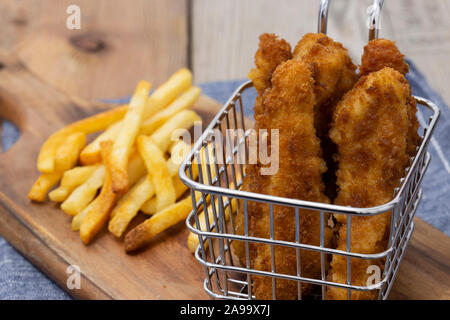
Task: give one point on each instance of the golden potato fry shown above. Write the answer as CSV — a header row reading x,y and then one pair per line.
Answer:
x,y
179,82
70,180
91,154
84,193
127,136
193,240
59,194
98,214
183,102
182,120
178,151
157,171
46,158
136,170
128,209
149,207
42,185
76,176
143,233
100,121
67,154
78,219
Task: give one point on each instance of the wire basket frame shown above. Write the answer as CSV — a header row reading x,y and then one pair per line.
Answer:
x,y
221,168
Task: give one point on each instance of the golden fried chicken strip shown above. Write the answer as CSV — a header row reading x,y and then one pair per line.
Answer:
x,y
370,129
271,52
382,53
334,74
289,107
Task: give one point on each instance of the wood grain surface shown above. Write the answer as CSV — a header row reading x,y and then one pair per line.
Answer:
x,y
119,43
166,270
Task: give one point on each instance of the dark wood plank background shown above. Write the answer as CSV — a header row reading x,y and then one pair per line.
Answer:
x,y
121,42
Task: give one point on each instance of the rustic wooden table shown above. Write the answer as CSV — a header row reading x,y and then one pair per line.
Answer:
x,y
121,42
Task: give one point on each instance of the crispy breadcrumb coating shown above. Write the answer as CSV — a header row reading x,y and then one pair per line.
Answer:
x,y
382,53
271,52
370,129
289,107
334,74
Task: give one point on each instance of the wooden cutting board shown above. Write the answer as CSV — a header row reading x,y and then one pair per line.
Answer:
x,y
166,270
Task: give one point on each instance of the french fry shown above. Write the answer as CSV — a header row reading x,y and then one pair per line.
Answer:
x,y
78,219
157,171
67,154
143,233
91,154
84,193
70,180
149,207
193,240
182,120
98,213
178,151
100,121
46,158
127,135
183,102
76,176
42,185
179,82
136,170
140,193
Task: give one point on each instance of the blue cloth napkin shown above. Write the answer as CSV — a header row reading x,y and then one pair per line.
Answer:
x,y
19,279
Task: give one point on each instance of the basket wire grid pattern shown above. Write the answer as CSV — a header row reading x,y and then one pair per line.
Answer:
x,y
221,177
225,277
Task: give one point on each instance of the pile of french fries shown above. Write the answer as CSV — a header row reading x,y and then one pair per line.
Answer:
x,y
131,166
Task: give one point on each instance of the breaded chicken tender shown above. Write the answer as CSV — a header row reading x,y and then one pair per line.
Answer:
x,y
271,52
334,74
370,128
382,53
289,107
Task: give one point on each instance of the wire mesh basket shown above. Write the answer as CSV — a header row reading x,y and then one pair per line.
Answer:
x,y
220,157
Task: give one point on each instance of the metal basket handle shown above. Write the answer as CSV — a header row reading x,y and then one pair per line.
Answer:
x,y
375,19
323,16
375,11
